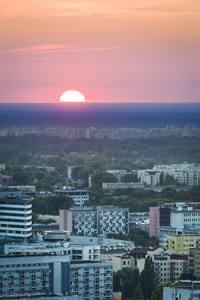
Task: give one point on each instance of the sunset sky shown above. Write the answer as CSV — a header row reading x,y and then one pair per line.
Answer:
x,y
111,51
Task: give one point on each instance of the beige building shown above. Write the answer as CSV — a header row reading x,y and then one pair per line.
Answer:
x,y
124,261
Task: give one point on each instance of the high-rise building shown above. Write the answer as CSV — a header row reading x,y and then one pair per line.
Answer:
x,y
15,215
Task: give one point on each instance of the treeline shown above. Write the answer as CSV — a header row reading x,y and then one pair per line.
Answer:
x,y
97,153
139,200
50,205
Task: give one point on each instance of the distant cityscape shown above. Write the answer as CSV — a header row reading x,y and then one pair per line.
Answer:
x,y
104,133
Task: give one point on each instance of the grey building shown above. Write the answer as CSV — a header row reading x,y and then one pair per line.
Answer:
x,y
33,275
91,280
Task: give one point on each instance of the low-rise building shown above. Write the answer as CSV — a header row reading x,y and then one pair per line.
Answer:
x,y
79,196
188,290
122,185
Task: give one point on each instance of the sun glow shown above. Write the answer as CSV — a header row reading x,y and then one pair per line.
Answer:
x,y
72,96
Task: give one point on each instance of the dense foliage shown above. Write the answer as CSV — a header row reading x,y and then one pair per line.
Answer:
x,y
132,284
97,153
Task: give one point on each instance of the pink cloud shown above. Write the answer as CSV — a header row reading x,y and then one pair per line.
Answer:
x,y
56,48
36,48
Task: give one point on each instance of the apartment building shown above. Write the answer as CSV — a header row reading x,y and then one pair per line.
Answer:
x,y
55,268
182,244
170,267
188,174
91,280
150,177
15,215
73,250
95,220
194,262
22,275
167,230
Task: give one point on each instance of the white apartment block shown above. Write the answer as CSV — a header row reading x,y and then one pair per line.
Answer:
x,y
122,185
15,215
79,196
150,177
91,281
184,173
95,220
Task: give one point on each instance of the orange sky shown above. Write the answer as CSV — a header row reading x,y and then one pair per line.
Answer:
x,y
111,51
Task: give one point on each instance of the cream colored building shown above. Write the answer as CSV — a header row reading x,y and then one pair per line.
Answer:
x,y
125,261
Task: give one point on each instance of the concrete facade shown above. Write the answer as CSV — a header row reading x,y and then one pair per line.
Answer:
x,y
95,220
91,281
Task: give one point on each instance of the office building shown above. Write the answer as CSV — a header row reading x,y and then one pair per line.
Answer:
x,y
175,215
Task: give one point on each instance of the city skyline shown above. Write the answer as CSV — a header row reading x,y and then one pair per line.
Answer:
x,y
114,51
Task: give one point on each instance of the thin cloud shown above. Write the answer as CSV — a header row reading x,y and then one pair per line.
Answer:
x,y
36,48
44,49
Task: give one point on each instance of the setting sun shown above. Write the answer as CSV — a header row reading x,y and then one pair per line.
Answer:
x,y
72,96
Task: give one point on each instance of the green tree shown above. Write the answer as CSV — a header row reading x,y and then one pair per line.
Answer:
x,y
169,180
99,177
187,276
117,281
138,293
134,280
39,175
126,291
129,178
22,177
147,278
